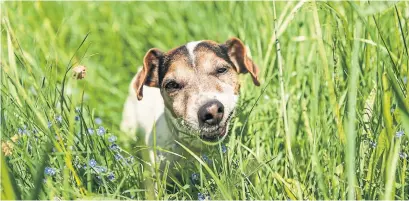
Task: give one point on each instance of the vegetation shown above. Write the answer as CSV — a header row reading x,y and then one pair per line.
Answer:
x,y
329,121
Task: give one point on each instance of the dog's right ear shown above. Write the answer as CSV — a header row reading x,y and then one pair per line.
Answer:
x,y
149,74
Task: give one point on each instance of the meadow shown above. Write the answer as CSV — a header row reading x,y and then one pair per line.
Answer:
x,y
329,121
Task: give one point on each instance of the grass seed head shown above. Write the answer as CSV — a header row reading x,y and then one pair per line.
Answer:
x,y
79,72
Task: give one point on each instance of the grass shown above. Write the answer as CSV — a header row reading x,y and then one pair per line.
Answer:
x,y
330,120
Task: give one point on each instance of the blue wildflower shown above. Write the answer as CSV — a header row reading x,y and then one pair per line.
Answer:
x,y
118,157
130,160
114,147
405,79
77,118
25,131
399,134
111,177
22,130
200,196
203,196
90,131
194,178
112,138
372,144
49,124
98,121
49,171
206,159
402,155
58,118
101,130
224,149
92,163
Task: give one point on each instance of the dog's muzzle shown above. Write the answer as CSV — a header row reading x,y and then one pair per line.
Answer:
x,y
210,116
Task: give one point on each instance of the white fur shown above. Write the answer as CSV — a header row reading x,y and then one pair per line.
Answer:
x,y
142,114
190,48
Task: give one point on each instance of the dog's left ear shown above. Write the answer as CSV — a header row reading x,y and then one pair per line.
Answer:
x,y
237,53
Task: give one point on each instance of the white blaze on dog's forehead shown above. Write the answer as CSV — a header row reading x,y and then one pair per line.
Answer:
x,y
190,48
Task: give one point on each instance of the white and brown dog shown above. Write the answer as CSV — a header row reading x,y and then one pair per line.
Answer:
x,y
187,94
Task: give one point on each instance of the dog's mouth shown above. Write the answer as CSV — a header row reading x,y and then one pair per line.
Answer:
x,y
218,133
206,134
214,136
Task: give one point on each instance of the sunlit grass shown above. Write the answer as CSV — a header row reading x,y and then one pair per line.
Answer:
x,y
329,121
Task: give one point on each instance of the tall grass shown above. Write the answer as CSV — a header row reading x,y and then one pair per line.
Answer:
x,y
330,120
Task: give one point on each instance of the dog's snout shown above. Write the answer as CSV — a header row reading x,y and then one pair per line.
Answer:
x,y
211,113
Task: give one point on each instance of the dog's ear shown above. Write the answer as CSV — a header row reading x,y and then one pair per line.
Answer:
x,y
149,74
237,54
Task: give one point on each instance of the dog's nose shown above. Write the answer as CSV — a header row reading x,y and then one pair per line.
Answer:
x,y
211,113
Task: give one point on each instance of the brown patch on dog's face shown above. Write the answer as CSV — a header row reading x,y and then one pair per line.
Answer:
x,y
199,84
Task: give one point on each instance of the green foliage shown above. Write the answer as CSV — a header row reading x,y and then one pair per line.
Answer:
x,y
330,120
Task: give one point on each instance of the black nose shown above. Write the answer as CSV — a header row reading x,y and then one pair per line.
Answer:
x,y
211,113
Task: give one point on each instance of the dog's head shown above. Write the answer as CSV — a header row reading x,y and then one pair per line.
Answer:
x,y
199,83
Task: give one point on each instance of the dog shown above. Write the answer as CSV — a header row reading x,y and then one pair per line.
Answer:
x,y
187,94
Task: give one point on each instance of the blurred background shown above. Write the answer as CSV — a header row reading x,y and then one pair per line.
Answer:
x,y
120,33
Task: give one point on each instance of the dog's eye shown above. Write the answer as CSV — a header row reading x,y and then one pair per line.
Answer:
x,y
172,85
221,70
